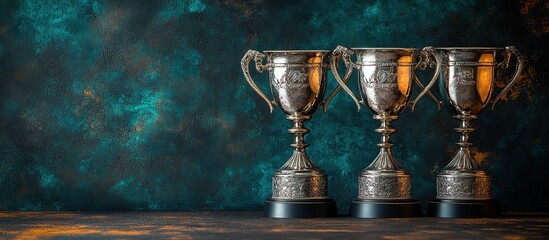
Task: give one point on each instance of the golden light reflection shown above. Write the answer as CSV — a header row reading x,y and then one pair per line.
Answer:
x,y
46,230
314,74
51,230
485,75
319,230
404,71
481,156
87,93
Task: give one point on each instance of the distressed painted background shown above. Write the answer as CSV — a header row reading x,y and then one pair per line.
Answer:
x,y
112,105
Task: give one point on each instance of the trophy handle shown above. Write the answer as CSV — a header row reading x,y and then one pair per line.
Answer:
x,y
429,93
426,61
510,50
348,72
245,62
342,52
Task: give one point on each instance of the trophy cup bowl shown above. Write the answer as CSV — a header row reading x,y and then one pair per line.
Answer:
x,y
385,77
298,82
466,83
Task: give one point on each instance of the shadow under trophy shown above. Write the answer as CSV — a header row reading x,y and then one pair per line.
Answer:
x,y
385,77
298,82
466,83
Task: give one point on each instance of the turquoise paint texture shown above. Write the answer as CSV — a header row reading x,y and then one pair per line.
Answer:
x,y
114,105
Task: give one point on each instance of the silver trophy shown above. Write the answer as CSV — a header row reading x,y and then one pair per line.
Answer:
x,y
466,83
385,77
298,82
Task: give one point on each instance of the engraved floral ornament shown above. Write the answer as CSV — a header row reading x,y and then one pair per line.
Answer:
x,y
382,78
292,79
465,77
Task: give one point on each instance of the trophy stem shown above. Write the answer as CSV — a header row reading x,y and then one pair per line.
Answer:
x,y
300,187
463,188
384,187
385,159
464,159
299,132
385,178
299,159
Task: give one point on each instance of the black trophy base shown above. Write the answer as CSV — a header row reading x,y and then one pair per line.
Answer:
x,y
449,208
276,208
385,208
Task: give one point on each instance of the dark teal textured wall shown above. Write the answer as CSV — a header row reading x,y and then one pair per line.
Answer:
x,y
111,105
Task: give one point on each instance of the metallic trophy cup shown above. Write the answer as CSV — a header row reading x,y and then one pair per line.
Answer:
x,y
466,82
298,82
385,77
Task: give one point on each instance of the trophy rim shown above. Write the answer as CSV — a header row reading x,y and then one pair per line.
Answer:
x,y
469,48
296,51
385,48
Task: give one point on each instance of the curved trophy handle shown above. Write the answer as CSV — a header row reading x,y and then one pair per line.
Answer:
x,y
245,62
425,62
339,52
510,50
429,93
336,55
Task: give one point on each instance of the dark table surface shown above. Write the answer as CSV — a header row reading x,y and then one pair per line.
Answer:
x,y
250,225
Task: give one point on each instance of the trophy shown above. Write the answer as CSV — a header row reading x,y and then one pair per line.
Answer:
x,y
385,77
298,82
466,82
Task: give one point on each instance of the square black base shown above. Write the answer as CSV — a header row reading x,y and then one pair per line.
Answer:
x,y
385,208
276,208
449,208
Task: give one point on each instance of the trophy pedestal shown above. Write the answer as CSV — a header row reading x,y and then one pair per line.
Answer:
x,y
463,194
295,208
451,208
299,193
384,194
385,208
